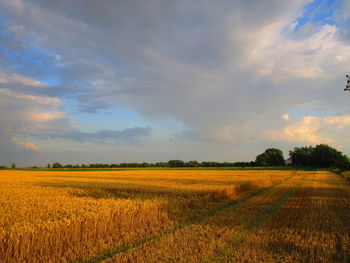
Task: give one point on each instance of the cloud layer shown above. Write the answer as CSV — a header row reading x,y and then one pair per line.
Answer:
x,y
313,130
226,71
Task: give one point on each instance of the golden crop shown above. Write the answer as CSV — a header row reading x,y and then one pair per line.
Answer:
x,y
199,242
304,219
174,216
312,226
45,224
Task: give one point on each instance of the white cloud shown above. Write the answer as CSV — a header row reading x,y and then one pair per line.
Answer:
x,y
285,117
23,113
42,117
339,121
311,129
26,145
313,57
37,99
22,80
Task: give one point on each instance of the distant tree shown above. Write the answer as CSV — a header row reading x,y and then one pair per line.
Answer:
x,y
211,164
57,165
144,164
302,156
192,164
13,166
160,164
326,156
271,157
323,156
176,163
49,166
244,164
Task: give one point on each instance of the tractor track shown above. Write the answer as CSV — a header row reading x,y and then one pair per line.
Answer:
x,y
261,217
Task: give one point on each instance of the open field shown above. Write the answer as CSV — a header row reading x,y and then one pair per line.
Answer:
x,y
174,216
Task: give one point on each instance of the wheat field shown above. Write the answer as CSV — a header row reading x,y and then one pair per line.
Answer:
x,y
174,216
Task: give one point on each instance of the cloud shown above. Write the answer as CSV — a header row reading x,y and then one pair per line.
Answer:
x,y
23,113
18,79
129,136
224,70
320,55
25,145
220,134
41,100
207,59
37,117
285,117
339,121
311,129
40,117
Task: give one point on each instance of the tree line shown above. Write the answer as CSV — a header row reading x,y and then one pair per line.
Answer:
x,y
319,156
322,156
168,164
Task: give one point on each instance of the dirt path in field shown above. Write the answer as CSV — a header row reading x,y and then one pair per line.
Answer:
x,y
109,254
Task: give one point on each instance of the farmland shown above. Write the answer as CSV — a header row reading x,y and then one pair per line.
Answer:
x,y
174,216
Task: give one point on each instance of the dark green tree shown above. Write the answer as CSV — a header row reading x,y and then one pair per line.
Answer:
x,y
176,163
271,157
326,156
13,166
302,156
192,164
322,155
57,165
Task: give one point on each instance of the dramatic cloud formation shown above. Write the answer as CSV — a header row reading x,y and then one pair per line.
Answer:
x,y
31,116
313,130
211,80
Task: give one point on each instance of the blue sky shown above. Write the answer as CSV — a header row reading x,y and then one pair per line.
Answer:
x,y
117,81
320,11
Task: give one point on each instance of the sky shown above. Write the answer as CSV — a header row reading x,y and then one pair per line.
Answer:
x,y
115,81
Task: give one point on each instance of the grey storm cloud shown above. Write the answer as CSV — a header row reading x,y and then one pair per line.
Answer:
x,y
153,55
225,69
129,136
